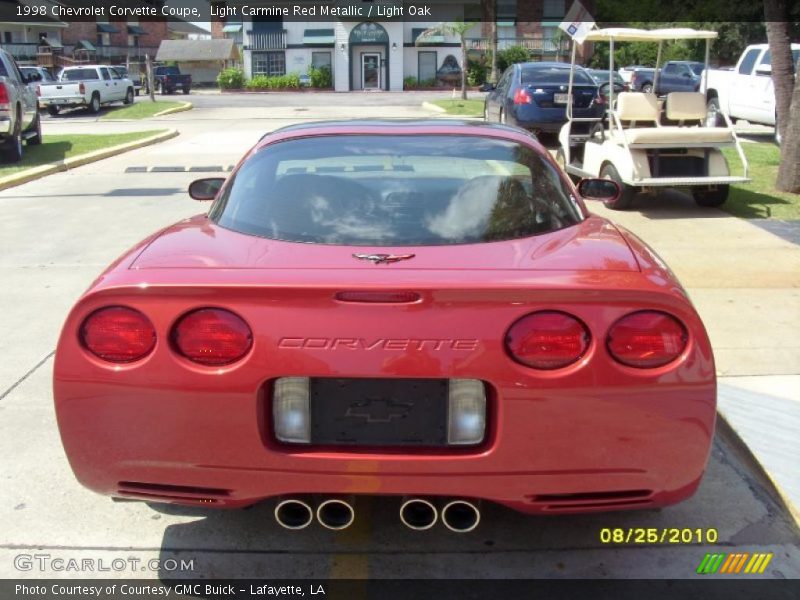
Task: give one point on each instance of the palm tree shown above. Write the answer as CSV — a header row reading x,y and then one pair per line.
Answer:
x,y
787,94
457,28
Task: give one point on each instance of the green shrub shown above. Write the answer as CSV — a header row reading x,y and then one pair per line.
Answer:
x,y
231,79
275,82
510,56
427,83
320,77
476,72
410,82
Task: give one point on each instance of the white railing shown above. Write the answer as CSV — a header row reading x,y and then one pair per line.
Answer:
x,y
266,41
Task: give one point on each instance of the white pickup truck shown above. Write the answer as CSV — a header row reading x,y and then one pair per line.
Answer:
x,y
87,85
745,92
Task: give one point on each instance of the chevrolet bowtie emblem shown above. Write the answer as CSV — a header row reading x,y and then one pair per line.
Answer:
x,y
383,259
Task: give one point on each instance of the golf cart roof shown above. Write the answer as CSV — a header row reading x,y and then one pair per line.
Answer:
x,y
624,34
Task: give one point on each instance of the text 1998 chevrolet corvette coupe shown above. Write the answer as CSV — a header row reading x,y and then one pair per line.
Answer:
x,y
424,310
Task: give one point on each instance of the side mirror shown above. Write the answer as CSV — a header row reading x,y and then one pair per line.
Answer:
x,y
205,189
764,70
488,87
599,189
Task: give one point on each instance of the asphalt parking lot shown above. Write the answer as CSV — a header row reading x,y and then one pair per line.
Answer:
x,y
61,231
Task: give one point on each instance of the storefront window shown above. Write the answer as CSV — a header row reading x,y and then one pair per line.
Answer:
x,y
269,63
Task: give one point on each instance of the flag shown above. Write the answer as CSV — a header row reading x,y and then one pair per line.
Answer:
x,y
577,22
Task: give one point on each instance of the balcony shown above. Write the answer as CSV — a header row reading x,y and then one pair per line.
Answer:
x,y
273,40
535,45
22,51
29,53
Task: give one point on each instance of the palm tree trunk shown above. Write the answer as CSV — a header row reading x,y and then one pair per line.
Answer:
x,y
787,94
463,68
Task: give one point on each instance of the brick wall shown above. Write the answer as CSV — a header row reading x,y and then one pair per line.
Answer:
x,y
79,30
217,23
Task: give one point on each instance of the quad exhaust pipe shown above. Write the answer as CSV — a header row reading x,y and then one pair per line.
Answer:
x,y
461,516
293,514
418,514
336,514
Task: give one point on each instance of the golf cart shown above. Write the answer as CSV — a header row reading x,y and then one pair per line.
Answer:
x,y
644,142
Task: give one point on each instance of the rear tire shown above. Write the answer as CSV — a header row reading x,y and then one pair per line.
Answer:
x,y
647,88
714,116
94,104
187,90
53,110
128,97
12,149
625,199
711,198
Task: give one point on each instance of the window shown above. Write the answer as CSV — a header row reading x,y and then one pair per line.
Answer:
x,y
269,63
746,66
559,75
105,74
426,66
396,190
7,37
321,60
553,9
79,74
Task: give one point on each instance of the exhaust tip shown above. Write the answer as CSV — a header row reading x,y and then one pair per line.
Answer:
x,y
293,514
335,514
418,514
461,516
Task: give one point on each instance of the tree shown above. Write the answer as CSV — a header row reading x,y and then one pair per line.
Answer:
x,y
458,28
493,39
787,94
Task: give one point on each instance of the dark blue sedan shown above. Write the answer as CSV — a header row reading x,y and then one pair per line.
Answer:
x,y
534,96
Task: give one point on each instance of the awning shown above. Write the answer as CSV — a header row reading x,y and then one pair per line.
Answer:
x,y
232,28
87,45
623,34
106,28
551,23
433,38
136,30
319,36
52,43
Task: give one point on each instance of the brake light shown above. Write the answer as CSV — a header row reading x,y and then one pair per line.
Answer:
x,y
118,334
38,91
81,88
522,96
647,339
3,94
547,340
212,336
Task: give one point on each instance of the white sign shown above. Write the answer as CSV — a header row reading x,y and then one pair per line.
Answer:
x,y
577,22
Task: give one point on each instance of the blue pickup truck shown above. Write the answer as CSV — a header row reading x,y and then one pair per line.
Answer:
x,y
676,76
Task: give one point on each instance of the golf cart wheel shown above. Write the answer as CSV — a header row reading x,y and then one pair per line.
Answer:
x,y
711,198
53,110
628,192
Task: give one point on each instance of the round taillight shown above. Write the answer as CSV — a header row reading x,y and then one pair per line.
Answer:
x,y
212,336
118,334
647,339
547,340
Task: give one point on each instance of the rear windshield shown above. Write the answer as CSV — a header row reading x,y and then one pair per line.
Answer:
x,y
697,68
168,71
79,75
394,190
560,75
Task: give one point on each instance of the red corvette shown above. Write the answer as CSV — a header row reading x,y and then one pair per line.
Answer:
x,y
423,310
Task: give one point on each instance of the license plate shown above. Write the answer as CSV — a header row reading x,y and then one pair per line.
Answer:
x,y
560,98
378,412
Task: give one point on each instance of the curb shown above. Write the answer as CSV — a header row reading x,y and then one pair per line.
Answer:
x,y
83,159
433,107
175,109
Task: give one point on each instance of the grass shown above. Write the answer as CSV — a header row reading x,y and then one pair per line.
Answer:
x,y
465,108
759,199
141,109
55,148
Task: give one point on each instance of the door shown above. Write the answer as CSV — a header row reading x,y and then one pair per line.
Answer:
x,y
370,71
118,85
426,68
742,85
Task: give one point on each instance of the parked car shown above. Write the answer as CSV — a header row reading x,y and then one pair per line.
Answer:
x,y
169,79
601,78
36,74
627,72
746,92
492,340
533,96
136,77
676,76
19,114
90,85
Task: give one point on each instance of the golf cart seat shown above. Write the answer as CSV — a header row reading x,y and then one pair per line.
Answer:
x,y
641,113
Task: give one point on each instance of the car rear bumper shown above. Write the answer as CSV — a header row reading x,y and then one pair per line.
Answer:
x,y
550,119
62,101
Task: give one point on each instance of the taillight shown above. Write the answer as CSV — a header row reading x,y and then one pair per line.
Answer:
x,y
522,96
212,336
38,91
3,94
81,88
118,334
647,339
547,340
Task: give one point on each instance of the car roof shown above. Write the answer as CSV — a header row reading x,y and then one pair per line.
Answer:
x,y
399,126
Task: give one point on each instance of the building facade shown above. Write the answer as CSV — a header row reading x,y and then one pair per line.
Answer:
x,y
380,54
